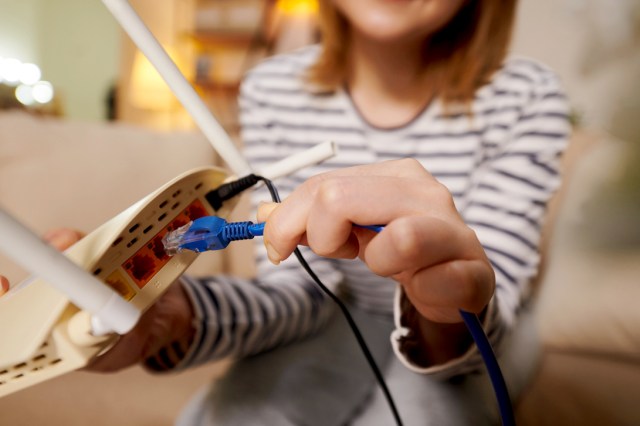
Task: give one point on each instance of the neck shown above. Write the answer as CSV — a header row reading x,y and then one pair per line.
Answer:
x,y
386,81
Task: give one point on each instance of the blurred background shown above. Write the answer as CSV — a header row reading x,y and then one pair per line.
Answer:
x,y
98,75
69,61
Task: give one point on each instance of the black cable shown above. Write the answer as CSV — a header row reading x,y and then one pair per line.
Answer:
x,y
354,327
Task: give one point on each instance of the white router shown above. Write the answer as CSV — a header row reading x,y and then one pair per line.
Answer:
x,y
76,303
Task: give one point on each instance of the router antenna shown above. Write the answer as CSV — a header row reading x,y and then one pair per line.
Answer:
x,y
109,311
188,97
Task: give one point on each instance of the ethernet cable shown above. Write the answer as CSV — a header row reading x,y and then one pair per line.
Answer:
x,y
215,233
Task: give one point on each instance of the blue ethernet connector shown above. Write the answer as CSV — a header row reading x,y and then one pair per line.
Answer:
x,y
215,233
209,233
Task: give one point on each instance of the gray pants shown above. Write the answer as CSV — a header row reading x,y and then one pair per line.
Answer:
x,y
325,380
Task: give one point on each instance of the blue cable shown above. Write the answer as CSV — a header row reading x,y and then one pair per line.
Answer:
x,y
493,368
215,233
481,340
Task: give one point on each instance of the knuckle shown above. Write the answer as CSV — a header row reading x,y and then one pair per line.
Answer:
x,y
474,286
468,237
332,193
410,164
405,239
440,194
316,180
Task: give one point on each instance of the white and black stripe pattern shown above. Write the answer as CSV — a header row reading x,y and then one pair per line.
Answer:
x,y
501,166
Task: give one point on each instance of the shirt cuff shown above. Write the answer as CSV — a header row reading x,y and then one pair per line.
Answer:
x,y
468,361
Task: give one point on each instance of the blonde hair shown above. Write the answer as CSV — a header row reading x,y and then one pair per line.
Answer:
x,y
461,57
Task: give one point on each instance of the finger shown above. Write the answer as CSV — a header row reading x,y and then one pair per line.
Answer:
x,y
125,353
285,233
403,168
348,249
264,210
325,208
459,284
4,285
128,350
62,238
416,242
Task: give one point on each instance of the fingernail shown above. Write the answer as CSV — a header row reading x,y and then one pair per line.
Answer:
x,y
272,254
264,210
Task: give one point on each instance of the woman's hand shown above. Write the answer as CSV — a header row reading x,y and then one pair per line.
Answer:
x,y
425,246
60,238
167,321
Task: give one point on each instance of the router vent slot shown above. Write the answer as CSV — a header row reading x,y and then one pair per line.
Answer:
x,y
46,357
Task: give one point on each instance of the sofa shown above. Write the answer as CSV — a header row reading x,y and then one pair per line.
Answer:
x,y
587,313
55,172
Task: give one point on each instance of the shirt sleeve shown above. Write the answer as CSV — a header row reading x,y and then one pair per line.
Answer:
x,y
506,208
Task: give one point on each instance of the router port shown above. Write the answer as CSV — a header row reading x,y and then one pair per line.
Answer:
x,y
140,267
196,211
158,248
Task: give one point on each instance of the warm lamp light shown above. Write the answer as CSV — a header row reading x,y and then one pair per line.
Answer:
x,y
294,24
297,7
148,89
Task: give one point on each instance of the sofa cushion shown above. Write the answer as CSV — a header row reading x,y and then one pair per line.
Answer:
x,y
590,292
56,172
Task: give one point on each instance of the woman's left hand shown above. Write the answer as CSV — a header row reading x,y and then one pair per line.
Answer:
x,y
425,246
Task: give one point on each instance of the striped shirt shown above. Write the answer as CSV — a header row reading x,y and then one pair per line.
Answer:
x,y
500,165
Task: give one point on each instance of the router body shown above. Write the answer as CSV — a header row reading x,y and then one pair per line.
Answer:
x,y
44,335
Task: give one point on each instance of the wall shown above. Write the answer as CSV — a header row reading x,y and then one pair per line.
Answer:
x,y
18,29
80,47
564,35
75,42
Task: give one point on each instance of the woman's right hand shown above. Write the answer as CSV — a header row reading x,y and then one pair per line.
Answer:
x,y
60,238
168,320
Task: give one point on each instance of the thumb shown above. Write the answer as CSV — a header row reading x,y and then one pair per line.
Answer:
x,y
62,238
264,210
